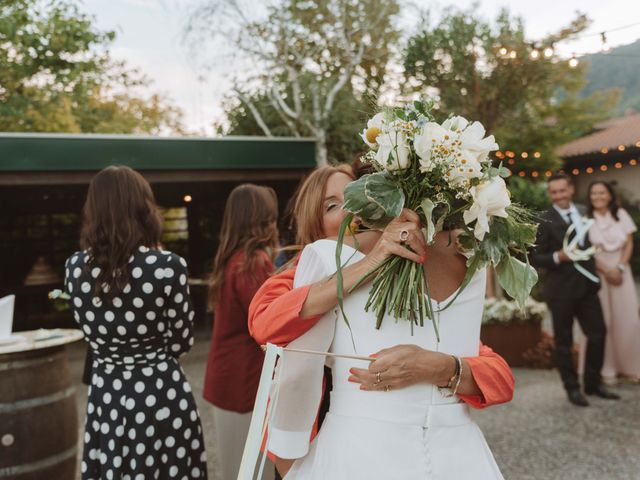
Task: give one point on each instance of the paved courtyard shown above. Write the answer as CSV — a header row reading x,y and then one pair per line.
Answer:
x,y
538,436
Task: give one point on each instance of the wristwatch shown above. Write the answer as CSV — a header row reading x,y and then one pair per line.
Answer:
x,y
621,267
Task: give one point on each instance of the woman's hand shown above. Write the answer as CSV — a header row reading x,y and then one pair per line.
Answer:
x,y
403,237
613,276
404,365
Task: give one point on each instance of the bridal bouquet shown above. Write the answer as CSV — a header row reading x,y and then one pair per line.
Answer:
x,y
443,172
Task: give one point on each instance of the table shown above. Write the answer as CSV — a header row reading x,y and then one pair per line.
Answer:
x,y
38,413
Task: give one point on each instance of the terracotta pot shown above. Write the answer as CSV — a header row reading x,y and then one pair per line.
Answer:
x,y
512,340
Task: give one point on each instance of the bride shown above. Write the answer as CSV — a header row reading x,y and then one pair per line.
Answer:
x,y
400,416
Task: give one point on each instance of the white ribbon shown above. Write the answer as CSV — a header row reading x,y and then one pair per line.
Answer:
x,y
577,254
261,417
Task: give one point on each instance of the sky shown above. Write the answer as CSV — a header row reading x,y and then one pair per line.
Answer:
x,y
150,37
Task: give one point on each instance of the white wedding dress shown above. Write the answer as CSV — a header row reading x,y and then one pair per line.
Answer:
x,y
414,433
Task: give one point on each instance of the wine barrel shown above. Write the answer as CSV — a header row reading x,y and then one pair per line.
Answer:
x,y
38,416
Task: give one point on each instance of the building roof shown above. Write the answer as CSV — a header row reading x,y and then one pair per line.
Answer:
x,y
28,152
609,135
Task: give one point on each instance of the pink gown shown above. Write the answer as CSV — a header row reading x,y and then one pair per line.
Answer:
x,y
619,303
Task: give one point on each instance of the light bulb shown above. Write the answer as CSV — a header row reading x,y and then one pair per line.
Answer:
x,y
573,62
548,52
535,54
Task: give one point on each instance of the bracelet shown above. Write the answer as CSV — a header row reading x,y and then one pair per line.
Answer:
x,y
455,388
622,267
454,382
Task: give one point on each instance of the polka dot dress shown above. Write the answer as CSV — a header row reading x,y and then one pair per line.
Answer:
x,y
142,420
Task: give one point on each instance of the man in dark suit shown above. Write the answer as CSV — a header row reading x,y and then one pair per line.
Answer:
x,y
570,294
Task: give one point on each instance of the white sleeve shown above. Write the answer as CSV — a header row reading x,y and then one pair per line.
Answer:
x,y
300,386
311,267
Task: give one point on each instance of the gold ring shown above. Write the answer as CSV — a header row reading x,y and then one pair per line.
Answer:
x,y
404,234
387,388
378,379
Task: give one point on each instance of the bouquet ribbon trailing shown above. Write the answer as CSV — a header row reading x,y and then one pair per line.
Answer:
x,y
271,379
577,254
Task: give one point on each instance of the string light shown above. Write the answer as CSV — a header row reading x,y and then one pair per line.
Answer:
x,y
510,154
548,173
536,154
513,54
524,154
603,168
503,51
618,165
638,144
548,52
534,174
535,54
521,174
575,171
604,150
633,162
187,198
573,63
511,161
621,148
589,170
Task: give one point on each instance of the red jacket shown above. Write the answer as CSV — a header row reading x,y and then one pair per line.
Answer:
x,y
235,359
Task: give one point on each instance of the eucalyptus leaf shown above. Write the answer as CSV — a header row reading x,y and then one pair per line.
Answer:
x,y
516,278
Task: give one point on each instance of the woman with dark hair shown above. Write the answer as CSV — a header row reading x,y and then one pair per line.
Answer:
x,y
244,260
132,301
612,234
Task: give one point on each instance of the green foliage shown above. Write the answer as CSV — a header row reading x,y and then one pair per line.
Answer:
x,y
343,142
529,105
529,193
323,60
57,76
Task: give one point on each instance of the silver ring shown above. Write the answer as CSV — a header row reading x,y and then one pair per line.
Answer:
x,y
387,388
378,379
404,234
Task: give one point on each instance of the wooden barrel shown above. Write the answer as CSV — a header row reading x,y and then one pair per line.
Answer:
x,y
38,416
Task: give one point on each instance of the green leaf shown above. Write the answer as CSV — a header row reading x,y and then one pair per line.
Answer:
x,y
339,277
375,198
516,278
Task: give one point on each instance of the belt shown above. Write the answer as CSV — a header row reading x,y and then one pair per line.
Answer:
x,y
375,407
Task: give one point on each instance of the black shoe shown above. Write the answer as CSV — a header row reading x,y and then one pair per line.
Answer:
x,y
602,392
576,397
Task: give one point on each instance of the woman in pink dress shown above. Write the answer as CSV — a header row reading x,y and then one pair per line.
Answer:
x,y
612,234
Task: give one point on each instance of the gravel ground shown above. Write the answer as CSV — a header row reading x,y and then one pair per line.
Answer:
x,y
538,436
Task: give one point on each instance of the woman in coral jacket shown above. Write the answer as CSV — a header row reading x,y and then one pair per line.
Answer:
x,y
279,314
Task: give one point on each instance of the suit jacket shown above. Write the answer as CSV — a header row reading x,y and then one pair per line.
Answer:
x,y
561,280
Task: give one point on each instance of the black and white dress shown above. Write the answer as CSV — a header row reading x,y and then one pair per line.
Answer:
x,y
142,420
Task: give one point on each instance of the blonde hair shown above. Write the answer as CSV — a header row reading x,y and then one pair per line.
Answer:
x,y
307,210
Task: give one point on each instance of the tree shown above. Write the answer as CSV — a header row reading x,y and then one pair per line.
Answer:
x,y
305,55
490,72
56,75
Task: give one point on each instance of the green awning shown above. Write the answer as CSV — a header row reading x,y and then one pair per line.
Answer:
x,y
29,152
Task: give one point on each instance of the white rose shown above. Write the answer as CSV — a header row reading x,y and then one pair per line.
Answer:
x,y
490,199
473,139
429,136
374,127
455,123
393,150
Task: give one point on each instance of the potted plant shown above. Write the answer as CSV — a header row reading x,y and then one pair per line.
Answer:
x,y
511,331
